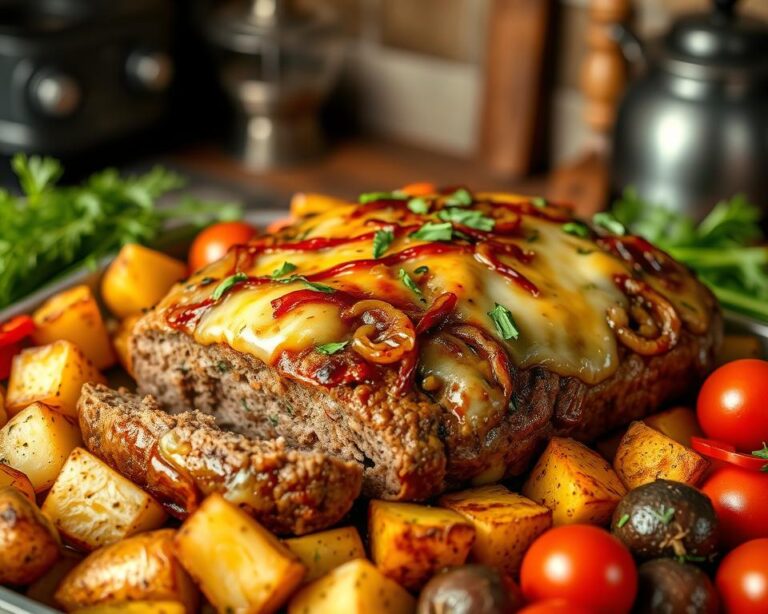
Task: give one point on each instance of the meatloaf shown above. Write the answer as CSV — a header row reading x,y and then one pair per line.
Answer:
x,y
436,339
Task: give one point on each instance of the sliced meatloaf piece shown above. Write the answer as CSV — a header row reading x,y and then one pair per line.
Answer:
x,y
180,459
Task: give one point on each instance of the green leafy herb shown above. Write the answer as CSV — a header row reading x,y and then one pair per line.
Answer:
x,y
532,236
285,269
408,282
664,515
622,521
576,228
468,217
272,420
418,205
381,242
691,558
762,454
539,202
371,197
434,232
460,198
226,285
51,229
504,322
606,220
421,270
310,284
724,248
331,348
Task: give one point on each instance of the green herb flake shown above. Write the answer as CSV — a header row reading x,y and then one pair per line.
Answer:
x,y
285,269
372,197
408,282
664,515
421,270
331,348
418,205
764,455
381,242
434,232
607,220
460,198
272,420
622,521
468,217
532,236
539,202
310,284
576,229
226,285
504,322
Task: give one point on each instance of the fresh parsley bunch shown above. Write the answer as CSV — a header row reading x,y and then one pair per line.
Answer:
x,y
52,229
724,249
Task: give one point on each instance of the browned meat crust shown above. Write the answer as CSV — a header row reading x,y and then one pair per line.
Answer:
x,y
287,490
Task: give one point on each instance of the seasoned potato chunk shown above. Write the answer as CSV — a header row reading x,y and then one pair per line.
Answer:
x,y
239,565
140,568
505,522
138,278
576,483
37,442
51,374
321,552
357,587
92,505
11,477
678,423
136,607
28,543
44,588
645,455
410,543
73,315
120,340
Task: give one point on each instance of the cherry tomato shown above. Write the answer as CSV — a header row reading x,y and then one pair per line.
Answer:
x,y
213,242
580,564
740,498
732,404
556,606
726,453
742,578
13,334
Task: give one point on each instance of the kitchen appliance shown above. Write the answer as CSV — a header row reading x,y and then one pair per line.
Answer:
x,y
693,127
79,74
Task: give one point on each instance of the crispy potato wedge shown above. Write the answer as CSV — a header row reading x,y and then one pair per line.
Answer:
x,y
410,543
645,455
92,505
142,567
678,423
120,338
28,542
37,442
136,607
324,551
73,315
505,522
12,477
238,564
43,589
576,483
138,278
51,374
357,587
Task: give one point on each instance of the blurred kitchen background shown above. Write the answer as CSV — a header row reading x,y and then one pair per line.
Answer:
x,y
272,96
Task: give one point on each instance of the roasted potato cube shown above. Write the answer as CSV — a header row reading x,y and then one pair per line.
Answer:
x,y
51,374
505,522
92,505
44,588
142,567
73,315
12,477
138,278
321,552
576,483
357,587
645,455
238,564
120,339
28,542
37,442
410,543
678,423
136,607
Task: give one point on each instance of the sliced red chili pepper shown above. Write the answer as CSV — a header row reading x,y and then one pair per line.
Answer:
x,y
727,453
438,312
13,333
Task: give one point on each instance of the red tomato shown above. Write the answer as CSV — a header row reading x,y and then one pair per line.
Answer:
x,y
742,578
13,333
580,564
213,242
556,606
732,404
740,498
725,452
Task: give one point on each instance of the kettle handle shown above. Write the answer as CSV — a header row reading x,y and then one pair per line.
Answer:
x,y
631,46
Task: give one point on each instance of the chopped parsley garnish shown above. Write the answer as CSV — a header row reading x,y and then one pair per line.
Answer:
x,y
310,284
331,348
532,236
460,198
664,515
504,322
434,232
762,454
381,242
539,202
609,222
408,282
285,269
622,521
468,217
576,228
421,270
418,205
226,285
372,197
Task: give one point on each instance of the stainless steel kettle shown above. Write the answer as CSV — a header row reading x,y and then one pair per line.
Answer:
x,y
692,128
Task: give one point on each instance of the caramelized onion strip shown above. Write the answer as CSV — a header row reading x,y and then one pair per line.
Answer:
x,y
490,349
386,334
